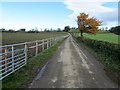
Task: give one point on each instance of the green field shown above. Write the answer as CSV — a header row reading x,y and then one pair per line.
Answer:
x,y
102,36
13,38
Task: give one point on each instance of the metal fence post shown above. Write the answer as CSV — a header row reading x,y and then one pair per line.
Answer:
x,y
25,53
36,47
13,58
6,58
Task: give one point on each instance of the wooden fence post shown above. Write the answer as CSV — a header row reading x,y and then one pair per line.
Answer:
x,y
47,44
36,47
43,45
54,41
50,42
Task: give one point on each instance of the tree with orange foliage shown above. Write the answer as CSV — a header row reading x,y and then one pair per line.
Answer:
x,y
88,25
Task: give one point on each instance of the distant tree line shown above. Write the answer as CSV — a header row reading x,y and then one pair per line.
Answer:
x,y
66,29
30,31
115,30
12,30
52,30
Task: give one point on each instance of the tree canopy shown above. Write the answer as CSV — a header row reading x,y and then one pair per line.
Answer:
x,y
88,25
115,30
67,28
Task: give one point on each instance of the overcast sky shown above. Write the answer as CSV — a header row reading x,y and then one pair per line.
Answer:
x,y
16,14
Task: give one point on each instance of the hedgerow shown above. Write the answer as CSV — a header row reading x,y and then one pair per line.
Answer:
x,y
108,52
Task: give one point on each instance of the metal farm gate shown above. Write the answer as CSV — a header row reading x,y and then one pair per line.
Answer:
x,y
13,57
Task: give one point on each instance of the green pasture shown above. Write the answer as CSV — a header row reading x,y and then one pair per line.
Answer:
x,y
101,36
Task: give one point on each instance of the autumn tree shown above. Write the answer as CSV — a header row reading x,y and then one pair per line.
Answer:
x,y
88,25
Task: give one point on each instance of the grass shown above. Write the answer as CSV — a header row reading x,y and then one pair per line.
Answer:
x,y
102,36
25,75
13,38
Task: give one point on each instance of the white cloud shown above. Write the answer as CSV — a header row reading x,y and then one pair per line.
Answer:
x,y
93,8
91,1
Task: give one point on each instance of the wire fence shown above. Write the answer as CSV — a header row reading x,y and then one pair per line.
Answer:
x,y
15,56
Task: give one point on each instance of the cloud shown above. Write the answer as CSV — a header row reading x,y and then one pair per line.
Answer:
x,y
93,8
91,1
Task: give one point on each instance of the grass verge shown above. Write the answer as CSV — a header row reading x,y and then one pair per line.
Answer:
x,y
24,76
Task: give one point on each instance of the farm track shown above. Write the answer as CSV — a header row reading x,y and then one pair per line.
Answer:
x,y
73,67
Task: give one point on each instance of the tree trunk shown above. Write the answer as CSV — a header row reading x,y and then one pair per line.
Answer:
x,y
81,31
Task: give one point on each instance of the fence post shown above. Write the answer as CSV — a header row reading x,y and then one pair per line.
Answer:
x,y
36,47
6,58
54,41
25,53
43,45
13,58
50,42
47,43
